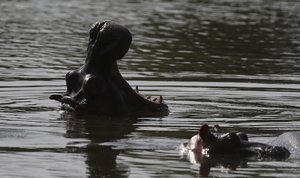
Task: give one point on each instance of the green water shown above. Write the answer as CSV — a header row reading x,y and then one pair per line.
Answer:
x,y
232,63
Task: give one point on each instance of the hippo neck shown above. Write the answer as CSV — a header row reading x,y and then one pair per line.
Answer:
x,y
111,71
103,68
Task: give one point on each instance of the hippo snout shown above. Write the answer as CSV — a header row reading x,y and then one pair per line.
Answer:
x,y
278,152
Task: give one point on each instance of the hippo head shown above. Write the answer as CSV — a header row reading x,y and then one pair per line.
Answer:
x,y
98,87
237,143
108,42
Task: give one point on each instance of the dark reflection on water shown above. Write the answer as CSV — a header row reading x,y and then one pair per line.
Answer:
x,y
100,159
232,63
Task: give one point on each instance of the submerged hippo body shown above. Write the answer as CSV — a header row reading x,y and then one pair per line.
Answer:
x,y
207,144
98,87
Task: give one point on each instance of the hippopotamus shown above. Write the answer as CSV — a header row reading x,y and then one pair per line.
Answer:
x,y
208,144
229,150
98,86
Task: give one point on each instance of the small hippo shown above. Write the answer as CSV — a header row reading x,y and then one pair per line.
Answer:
x,y
209,144
229,150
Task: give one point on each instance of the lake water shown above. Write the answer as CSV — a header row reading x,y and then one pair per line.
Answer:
x,y
230,62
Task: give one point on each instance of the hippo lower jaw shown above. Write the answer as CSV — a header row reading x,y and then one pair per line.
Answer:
x,y
129,101
154,105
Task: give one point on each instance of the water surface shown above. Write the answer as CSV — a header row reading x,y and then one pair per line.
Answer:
x,y
232,63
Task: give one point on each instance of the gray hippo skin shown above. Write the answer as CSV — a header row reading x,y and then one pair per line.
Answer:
x,y
207,144
98,87
229,150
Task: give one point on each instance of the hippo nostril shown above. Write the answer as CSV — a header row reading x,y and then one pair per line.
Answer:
x,y
96,27
101,25
260,153
278,151
93,32
273,152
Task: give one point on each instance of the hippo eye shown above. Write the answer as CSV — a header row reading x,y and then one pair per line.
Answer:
x,y
242,136
231,139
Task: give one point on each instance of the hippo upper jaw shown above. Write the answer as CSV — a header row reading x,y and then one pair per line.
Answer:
x,y
108,42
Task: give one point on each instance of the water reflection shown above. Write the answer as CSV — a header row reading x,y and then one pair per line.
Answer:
x,y
100,159
226,162
233,63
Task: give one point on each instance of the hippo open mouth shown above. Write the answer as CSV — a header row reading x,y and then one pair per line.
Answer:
x,y
98,87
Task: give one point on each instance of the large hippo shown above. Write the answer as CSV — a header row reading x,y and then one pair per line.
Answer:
x,y
206,143
98,87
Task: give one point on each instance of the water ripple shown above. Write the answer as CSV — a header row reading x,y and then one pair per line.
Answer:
x,y
232,63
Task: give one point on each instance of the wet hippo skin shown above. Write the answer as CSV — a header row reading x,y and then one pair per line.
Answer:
x,y
98,87
229,150
209,144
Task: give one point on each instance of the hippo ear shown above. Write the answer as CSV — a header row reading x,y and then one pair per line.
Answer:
x,y
204,132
